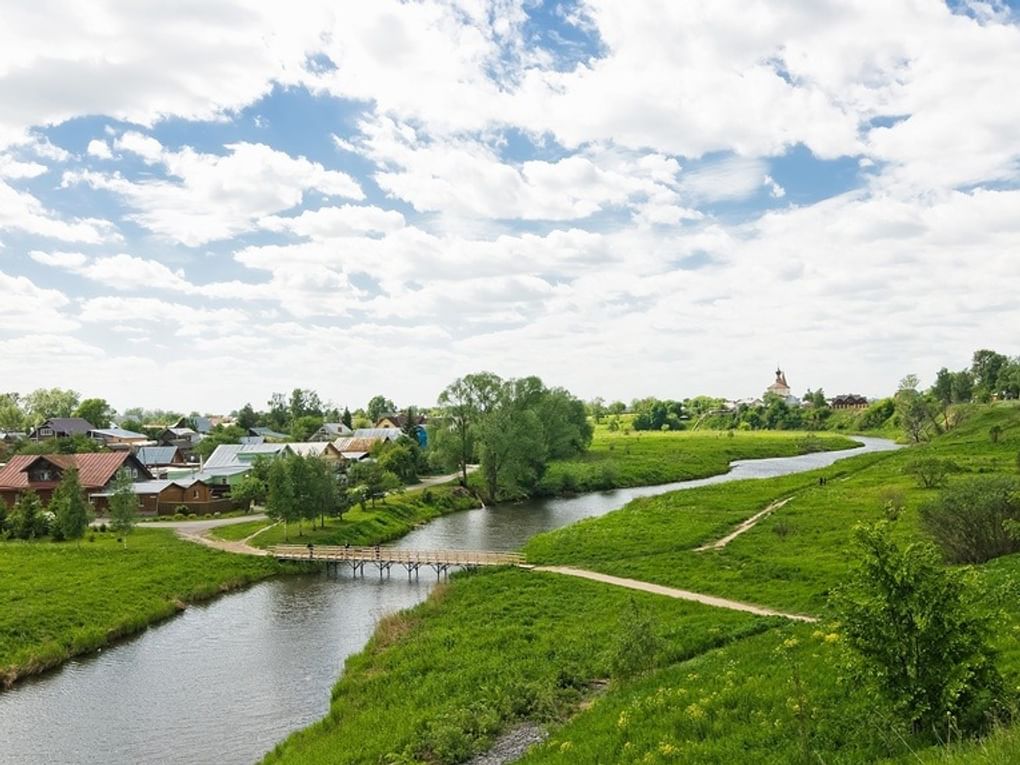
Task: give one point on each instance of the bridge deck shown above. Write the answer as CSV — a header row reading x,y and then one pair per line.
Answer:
x,y
395,555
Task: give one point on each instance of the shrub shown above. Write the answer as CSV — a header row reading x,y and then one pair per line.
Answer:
x,y
930,472
917,637
894,501
637,645
969,520
995,433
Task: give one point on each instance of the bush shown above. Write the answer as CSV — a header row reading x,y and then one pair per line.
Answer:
x,y
930,472
969,520
917,637
894,501
637,645
995,433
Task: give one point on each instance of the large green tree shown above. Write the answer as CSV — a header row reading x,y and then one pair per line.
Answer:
x,y
462,405
378,406
69,507
44,403
12,416
123,505
95,410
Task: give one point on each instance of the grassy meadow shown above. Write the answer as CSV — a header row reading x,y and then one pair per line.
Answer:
x,y
642,458
770,691
63,599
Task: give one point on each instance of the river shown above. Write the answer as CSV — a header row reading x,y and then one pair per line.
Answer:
x,y
226,680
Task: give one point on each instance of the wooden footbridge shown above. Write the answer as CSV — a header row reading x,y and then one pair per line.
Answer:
x,y
385,558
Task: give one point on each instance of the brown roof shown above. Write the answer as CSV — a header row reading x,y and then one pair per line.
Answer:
x,y
355,444
94,469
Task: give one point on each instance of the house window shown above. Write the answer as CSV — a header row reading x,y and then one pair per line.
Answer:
x,y
194,494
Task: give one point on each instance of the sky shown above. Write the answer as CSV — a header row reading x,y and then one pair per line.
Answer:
x,y
204,202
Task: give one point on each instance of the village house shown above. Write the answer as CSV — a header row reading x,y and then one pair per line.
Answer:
x,y
114,438
61,427
154,457
166,497
324,450
848,401
267,434
41,473
330,431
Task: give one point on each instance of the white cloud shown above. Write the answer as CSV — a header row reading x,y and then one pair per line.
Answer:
x,y
209,197
68,260
21,211
147,147
327,222
28,308
13,168
99,148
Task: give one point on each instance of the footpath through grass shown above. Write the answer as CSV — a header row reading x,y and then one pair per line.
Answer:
x,y
64,599
643,458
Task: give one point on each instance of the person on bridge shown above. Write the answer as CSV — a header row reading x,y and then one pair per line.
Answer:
x,y
377,555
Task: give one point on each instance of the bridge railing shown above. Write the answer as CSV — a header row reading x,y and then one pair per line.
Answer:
x,y
330,553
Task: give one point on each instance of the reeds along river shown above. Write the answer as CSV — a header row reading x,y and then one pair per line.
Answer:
x,y
224,681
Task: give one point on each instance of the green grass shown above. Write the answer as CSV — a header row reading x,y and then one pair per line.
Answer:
x,y
763,695
64,599
389,519
437,682
643,458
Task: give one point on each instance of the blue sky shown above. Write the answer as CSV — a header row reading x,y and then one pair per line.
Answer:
x,y
199,207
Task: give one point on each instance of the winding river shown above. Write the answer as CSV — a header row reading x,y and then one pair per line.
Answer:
x,y
224,681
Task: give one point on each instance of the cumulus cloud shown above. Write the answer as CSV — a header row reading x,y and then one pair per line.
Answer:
x,y
99,148
207,197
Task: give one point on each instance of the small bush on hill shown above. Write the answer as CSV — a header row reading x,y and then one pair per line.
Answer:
x,y
916,636
969,520
930,472
637,645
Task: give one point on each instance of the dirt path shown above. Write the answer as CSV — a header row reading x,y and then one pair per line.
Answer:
x,y
672,592
743,527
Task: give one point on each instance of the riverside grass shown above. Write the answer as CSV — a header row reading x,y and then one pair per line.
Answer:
x,y
643,458
773,696
64,599
437,682
390,518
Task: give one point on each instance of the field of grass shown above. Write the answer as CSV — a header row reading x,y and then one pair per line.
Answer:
x,y
391,518
64,599
642,458
436,683
771,695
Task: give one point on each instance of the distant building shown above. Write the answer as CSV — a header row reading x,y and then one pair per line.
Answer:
x,y
267,434
782,389
848,401
61,427
117,437
330,431
160,456
167,497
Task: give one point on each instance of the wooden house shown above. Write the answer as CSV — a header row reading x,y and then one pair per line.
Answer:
x,y
41,473
61,427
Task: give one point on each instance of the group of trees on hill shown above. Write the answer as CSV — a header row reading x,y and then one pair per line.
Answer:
x,y
512,428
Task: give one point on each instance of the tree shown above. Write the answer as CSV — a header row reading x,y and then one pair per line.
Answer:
x,y
302,428
410,428
123,505
249,488
12,416
44,403
378,406
278,416
346,418
95,410
912,410
304,402
462,405
962,386
511,444
69,507
597,409
986,366
617,408
27,520
246,417
281,495
399,459
916,635
371,480
221,434
930,472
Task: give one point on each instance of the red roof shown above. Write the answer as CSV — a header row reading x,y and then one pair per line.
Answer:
x,y
94,469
